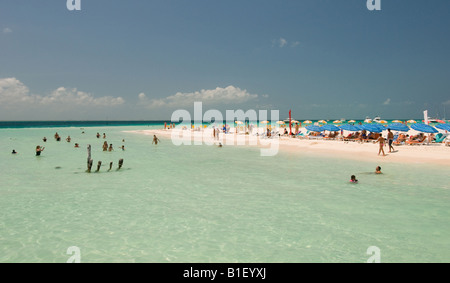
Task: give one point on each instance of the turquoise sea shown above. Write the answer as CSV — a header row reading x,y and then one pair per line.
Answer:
x,y
206,204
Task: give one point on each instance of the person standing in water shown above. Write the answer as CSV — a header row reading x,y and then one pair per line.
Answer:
x,y
39,149
155,140
105,146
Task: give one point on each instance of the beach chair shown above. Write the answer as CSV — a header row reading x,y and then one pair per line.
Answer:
x,y
421,142
440,138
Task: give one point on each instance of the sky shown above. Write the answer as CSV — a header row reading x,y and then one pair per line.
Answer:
x,y
144,59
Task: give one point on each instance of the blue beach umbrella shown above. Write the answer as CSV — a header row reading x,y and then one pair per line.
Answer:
x,y
398,127
331,128
424,128
314,128
373,128
445,127
350,128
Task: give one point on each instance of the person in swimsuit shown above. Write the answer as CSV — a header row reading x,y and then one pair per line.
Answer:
x,y
105,146
390,140
14,151
39,149
381,140
378,170
155,140
353,179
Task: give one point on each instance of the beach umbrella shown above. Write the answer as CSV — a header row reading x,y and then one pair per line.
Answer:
x,y
373,128
368,121
264,122
322,121
352,121
331,128
337,122
314,128
445,127
411,122
424,128
280,122
398,127
307,122
397,121
294,121
383,122
239,122
350,128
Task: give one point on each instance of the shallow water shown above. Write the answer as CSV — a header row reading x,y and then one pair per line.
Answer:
x,y
209,204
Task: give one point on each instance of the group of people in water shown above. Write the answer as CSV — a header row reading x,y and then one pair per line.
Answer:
x,y
355,181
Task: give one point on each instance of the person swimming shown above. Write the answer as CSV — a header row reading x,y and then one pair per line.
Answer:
x,y
353,179
14,151
39,149
378,170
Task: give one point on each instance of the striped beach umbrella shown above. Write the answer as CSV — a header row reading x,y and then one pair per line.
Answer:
x,y
337,122
307,122
445,127
352,121
424,128
322,121
397,121
313,128
331,128
411,121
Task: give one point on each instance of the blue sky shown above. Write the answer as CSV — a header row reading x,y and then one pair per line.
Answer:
x,y
127,60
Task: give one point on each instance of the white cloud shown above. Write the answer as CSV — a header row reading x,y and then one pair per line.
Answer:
x,y
142,96
228,95
282,42
7,30
294,44
14,93
387,102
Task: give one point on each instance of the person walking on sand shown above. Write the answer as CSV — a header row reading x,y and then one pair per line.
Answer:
x,y
381,140
155,140
390,138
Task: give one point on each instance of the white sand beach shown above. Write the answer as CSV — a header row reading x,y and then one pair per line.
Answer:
x,y
437,154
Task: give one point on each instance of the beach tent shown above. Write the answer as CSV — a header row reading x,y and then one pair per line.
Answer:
x,y
373,128
331,128
398,127
445,127
314,128
424,128
350,128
